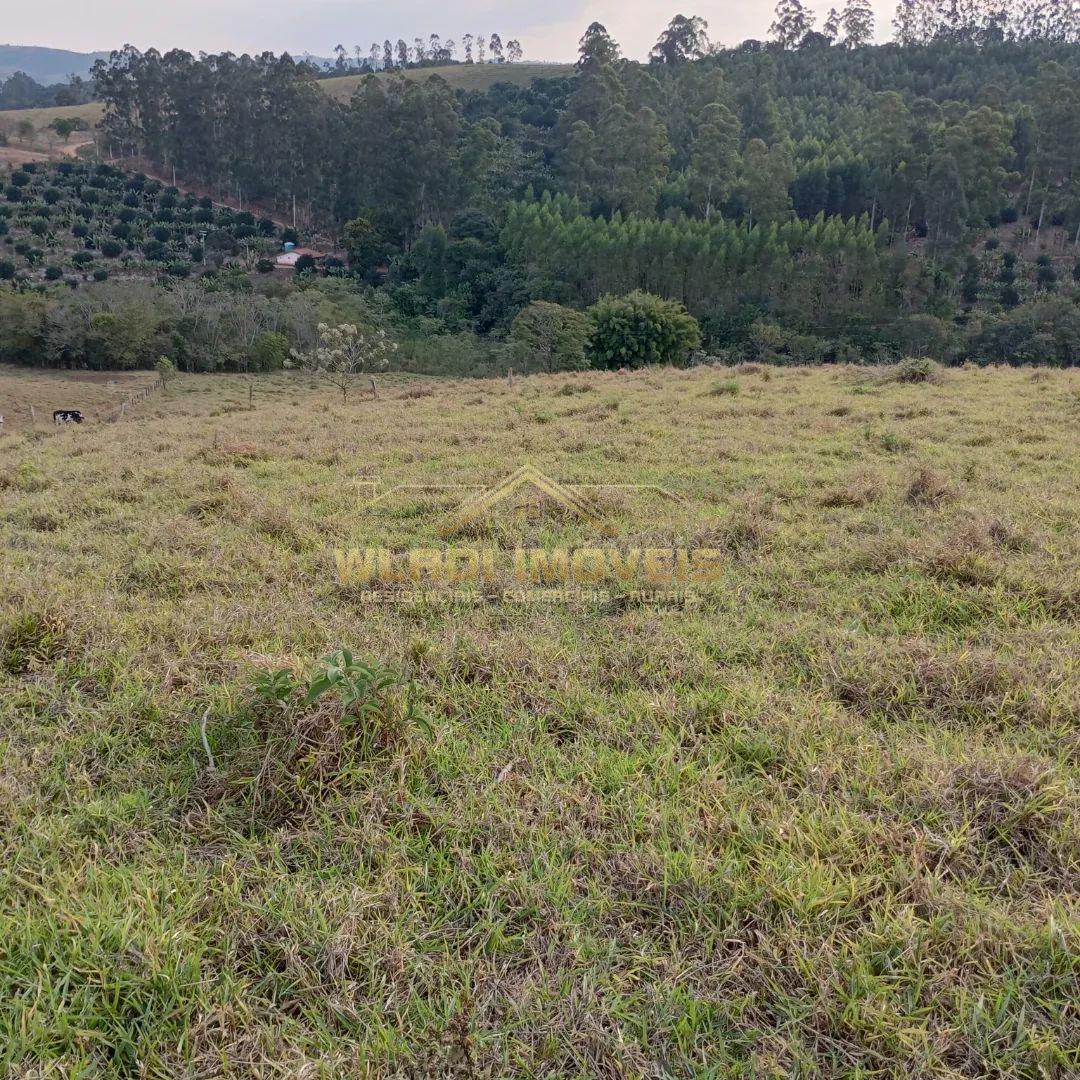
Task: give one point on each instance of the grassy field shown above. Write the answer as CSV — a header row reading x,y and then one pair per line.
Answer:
x,y
91,112
98,394
819,821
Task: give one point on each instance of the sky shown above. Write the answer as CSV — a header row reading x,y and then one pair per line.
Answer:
x,y
547,29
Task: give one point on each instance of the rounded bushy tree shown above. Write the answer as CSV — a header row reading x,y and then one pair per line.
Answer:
x,y
553,337
640,328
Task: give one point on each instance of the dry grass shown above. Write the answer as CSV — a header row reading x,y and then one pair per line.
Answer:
x,y
97,394
821,822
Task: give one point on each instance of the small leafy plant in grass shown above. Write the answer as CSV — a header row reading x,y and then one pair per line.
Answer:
x,y
316,732
724,388
372,701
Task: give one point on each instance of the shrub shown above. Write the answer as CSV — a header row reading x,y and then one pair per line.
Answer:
x,y
553,337
269,352
7,269
101,275
53,273
1046,277
639,328
921,335
915,370
1010,296
112,249
1045,332
724,388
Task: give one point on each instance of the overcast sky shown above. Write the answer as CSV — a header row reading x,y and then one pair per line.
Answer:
x,y
547,29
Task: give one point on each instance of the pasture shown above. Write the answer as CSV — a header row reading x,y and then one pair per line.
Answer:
x,y
28,396
819,819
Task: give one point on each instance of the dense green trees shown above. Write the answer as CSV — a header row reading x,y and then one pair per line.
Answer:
x,y
912,136
817,271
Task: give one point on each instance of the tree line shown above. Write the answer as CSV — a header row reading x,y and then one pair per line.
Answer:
x,y
430,51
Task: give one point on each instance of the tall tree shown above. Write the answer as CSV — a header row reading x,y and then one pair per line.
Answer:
x,y
714,157
857,22
766,173
596,47
791,23
684,39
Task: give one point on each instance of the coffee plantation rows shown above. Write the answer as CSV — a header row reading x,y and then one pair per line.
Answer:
x,y
77,222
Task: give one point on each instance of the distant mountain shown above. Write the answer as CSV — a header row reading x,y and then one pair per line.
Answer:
x,y
46,66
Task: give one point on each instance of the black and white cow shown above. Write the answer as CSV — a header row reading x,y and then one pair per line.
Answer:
x,y
67,416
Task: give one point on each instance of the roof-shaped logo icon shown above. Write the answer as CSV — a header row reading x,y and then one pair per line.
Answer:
x,y
477,506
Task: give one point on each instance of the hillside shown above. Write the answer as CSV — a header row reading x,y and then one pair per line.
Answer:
x,y
44,65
